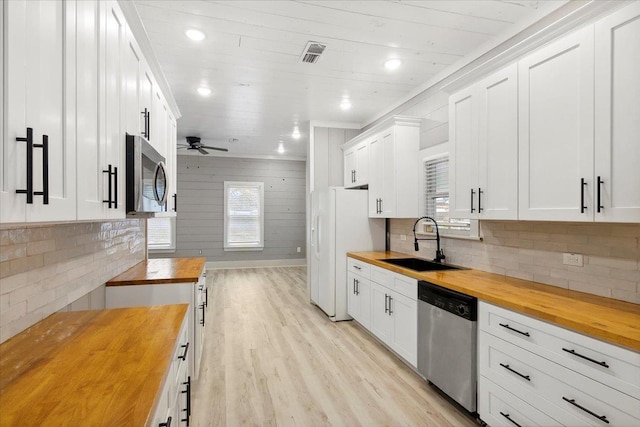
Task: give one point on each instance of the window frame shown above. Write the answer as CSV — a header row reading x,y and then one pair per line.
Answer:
x,y
229,247
163,249
426,228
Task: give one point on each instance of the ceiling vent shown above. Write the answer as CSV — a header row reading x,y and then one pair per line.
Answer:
x,y
312,52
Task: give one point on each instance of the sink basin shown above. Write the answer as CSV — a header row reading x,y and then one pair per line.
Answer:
x,y
419,264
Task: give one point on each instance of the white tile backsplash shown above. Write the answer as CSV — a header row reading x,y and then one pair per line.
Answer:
x,y
533,250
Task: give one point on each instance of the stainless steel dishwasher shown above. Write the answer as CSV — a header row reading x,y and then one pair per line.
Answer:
x,y
447,326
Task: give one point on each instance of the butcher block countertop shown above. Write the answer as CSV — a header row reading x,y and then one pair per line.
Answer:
x,y
90,368
610,320
161,271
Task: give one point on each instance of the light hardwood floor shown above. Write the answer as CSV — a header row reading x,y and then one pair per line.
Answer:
x,y
271,358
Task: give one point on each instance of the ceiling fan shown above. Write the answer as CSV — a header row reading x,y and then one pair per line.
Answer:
x,y
195,144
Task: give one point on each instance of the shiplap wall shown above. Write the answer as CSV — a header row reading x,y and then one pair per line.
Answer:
x,y
200,220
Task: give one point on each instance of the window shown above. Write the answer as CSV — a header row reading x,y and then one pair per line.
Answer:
x,y
243,216
436,198
161,234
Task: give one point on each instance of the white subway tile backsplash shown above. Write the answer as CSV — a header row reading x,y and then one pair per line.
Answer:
x,y
532,250
43,268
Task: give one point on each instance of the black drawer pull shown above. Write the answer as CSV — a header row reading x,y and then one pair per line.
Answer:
x,y
582,185
506,325
357,267
186,349
572,351
526,377
593,414
509,418
202,308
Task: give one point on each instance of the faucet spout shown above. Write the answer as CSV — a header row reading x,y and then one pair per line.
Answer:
x,y
439,252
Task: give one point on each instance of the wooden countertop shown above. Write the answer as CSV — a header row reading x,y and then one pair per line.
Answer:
x,y
611,320
161,270
90,368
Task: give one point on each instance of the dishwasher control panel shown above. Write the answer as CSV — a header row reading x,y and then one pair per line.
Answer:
x,y
454,302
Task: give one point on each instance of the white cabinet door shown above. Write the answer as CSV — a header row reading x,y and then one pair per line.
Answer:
x,y
617,117
114,30
91,181
404,314
463,163
362,164
359,299
387,174
380,318
497,150
132,75
146,101
556,130
350,167
354,303
37,93
376,156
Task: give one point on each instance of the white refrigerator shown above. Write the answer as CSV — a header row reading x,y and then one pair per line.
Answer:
x,y
340,223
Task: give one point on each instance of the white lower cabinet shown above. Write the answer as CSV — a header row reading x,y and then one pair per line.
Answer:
x,y
541,374
174,401
169,293
386,304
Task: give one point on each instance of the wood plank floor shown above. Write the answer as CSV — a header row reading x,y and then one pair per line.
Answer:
x,y
271,358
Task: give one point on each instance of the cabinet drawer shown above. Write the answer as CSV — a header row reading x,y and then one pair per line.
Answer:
x,y
358,267
575,351
382,276
550,387
497,407
406,286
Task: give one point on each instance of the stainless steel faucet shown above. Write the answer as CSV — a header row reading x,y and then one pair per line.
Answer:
x,y
439,253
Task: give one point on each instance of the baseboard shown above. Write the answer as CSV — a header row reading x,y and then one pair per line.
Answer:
x,y
302,262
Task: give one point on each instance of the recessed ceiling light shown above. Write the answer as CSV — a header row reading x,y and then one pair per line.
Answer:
x,y
195,35
296,133
204,91
345,105
392,64
281,149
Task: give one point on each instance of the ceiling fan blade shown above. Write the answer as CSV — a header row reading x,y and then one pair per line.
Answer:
x,y
215,148
202,151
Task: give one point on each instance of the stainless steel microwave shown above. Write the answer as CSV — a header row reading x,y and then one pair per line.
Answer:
x,y
146,178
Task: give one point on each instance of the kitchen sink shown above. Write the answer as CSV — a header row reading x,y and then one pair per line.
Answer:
x,y
419,264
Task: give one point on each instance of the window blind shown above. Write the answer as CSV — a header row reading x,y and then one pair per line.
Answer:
x,y
436,194
244,215
160,233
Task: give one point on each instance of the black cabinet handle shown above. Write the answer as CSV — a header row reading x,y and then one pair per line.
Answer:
x,y
508,368
115,187
187,391
600,182
480,199
355,175
386,309
380,205
29,140
357,267
472,194
354,286
206,297
149,125
45,170
357,287
506,325
175,202
202,308
146,116
582,185
166,424
593,414
572,351
109,188
390,299
509,418
186,350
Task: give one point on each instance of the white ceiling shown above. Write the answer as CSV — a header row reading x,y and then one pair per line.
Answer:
x,y
250,59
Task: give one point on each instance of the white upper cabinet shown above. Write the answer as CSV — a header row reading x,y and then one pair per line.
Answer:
x,y
38,155
617,117
556,105
356,165
483,134
134,119
393,170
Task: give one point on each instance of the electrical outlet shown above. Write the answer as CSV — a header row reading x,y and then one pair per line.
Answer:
x,y
403,237
573,259
298,249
